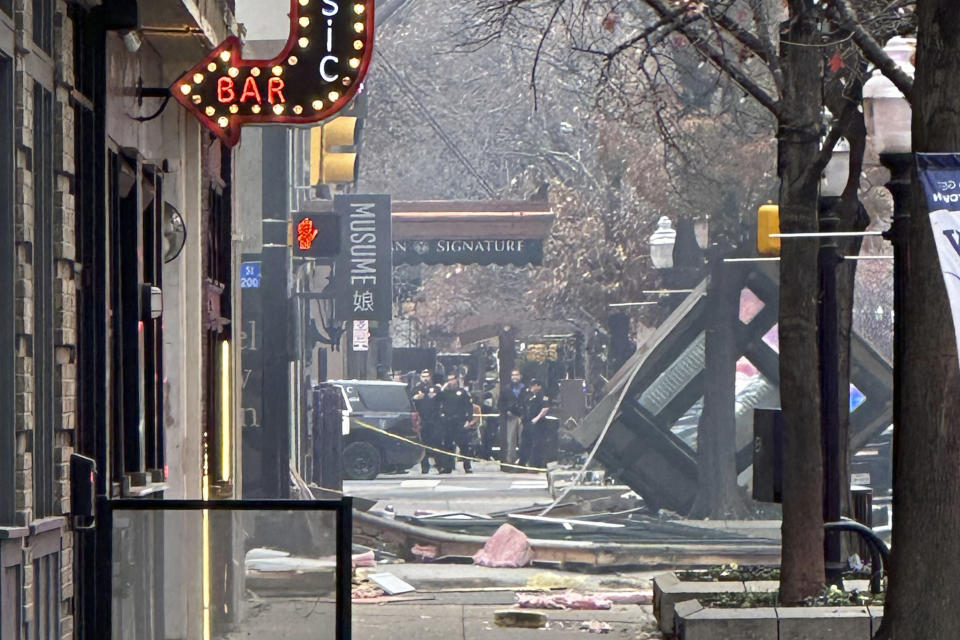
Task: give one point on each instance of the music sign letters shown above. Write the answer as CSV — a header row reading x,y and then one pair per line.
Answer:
x,y
940,176
315,75
364,267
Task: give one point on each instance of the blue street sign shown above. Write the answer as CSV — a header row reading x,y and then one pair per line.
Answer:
x,y
250,275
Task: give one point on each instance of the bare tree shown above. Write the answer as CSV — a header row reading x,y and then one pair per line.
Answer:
x,y
923,584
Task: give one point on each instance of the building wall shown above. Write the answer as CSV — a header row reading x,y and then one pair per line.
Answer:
x,y
44,319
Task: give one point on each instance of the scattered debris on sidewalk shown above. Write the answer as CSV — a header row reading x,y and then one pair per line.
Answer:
x,y
544,581
390,583
566,600
523,619
365,559
424,551
596,626
365,590
508,547
575,600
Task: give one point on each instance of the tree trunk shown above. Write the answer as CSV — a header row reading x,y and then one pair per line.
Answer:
x,y
802,567
718,495
924,586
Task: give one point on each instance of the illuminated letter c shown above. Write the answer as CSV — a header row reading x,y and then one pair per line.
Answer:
x,y
323,68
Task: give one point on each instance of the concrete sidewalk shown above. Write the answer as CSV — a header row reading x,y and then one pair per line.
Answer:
x,y
457,602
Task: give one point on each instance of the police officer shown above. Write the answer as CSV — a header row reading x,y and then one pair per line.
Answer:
x,y
427,403
532,438
456,413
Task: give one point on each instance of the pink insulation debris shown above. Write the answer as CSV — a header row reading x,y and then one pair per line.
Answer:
x,y
424,551
508,547
574,600
566,600
365,559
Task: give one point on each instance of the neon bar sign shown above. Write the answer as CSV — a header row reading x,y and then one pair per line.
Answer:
x,y
319,70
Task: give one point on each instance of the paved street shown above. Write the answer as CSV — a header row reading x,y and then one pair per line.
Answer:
x,y
486,490
448,605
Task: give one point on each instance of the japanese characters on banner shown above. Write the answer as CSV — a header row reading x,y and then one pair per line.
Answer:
x,y
364,267
940,176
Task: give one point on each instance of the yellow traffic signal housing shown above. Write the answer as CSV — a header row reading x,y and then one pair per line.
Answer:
x,y
332,158
768,221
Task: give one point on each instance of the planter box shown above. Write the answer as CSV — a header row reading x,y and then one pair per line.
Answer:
x,y
704,623
696,622
669,590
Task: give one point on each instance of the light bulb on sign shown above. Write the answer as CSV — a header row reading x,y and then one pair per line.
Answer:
x,y
320,68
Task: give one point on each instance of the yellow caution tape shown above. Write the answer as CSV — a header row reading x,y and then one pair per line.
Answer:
x,y
366,425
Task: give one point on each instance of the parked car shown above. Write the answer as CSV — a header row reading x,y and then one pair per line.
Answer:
x,y
384,405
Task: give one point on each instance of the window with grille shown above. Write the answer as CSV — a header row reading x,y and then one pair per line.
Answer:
x,y
43,24
7,292
44,420
46,597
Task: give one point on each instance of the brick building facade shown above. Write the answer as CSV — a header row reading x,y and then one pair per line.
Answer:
x,y
88,363
40,345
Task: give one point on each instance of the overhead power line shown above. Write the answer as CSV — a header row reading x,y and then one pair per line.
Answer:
x,y
425,112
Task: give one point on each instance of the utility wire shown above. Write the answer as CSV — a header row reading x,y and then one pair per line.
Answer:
x,y
411,94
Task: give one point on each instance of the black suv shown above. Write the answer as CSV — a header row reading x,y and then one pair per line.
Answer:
x,y
383,405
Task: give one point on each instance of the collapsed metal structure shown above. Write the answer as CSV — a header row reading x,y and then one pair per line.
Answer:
x,y
655,398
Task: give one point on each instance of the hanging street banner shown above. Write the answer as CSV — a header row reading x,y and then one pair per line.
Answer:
x,y
317,73
940,176
474,251
363,272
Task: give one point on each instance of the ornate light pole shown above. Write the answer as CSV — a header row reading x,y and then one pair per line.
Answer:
x,y
887,115
832,184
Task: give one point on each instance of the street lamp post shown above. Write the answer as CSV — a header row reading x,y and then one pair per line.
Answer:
x,y
832,184
887,116
662,242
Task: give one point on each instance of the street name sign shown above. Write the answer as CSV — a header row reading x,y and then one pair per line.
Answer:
x,y
317,73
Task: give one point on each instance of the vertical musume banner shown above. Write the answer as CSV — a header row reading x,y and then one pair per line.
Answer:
x,y
364,267
939,174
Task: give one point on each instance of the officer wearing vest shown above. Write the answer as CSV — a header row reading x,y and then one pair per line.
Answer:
x,y
456,413
532,438
427,403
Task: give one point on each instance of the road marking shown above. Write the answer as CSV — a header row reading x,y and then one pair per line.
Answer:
x,y
528,484
407,484
446,488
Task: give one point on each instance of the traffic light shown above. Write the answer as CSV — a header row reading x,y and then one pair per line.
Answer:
x,y
333,157
316,236
768,221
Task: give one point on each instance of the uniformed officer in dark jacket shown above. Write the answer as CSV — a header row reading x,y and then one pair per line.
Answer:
x,y
456,412
532,438
427,403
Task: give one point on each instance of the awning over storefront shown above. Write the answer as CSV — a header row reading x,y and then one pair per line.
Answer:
x,y
462,232
486,251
